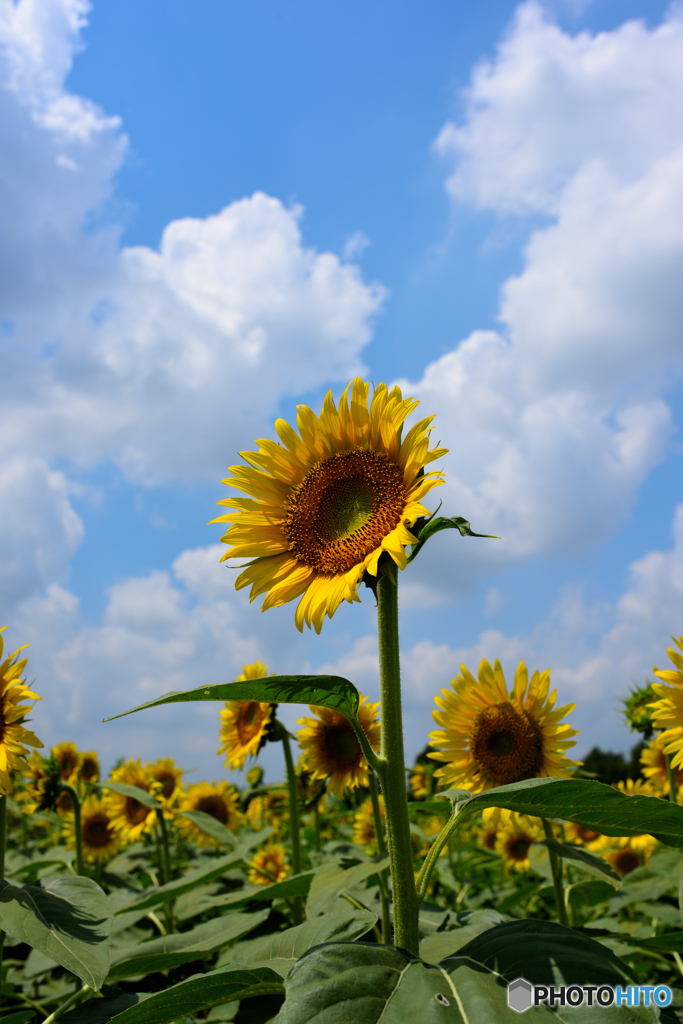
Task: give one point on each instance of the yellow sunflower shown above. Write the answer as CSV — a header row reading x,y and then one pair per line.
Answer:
x,y
491,738
268,865
514,841
66,756
220,800
488,837
364,825
130,819
579,835
653,766
331,750
244,723
89,766
271,808
325,504
625,859
98,837
667,712
13,735
166,783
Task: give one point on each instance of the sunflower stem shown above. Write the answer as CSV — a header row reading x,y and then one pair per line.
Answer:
x,y
294,826
165,849
556,868
78,835
382,877
316,824
61,1010
671,775
3,833
392,771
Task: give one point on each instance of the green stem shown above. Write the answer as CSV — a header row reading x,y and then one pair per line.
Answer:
x,y
76,804
294,825
556,868
433,855
671,775
316,824
165,849
67,1004
392,771
3,833
382,877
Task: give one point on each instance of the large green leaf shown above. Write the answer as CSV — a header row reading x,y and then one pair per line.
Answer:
x,y
295,885
201,991
584,859
134,792
323,691
332,879
18,1017
211,826
438,523
592,804
65,919
168,951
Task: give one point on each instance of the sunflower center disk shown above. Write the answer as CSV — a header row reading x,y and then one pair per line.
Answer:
x,y
506,744
343,509
96,832
341,747
214,806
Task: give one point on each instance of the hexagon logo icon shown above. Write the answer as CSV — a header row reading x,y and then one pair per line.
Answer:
x,y
520,995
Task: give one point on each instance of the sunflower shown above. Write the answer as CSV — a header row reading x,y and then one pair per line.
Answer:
x,y
220,800
326,503
582,836
255,776
13,713
667,712
66,756
488,837
130,819
99,839
364,825
166,783
514,841
270,809
331,750
623,860
244,723
268,865
88,766
489,738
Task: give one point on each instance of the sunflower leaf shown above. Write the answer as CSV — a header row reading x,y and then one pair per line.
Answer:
x,y
433,526
582,858
134,792
322,691
211,826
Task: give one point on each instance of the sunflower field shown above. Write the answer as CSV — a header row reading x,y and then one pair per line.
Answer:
x,y
356,888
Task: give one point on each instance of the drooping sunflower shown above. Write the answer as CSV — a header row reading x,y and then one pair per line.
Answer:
x,y
491,738
220,800
667,712
514,841
88,766
66,756
331,750
14,738
166,779
269,865
99,839
364,825
244,723
653,761
325,504
130,818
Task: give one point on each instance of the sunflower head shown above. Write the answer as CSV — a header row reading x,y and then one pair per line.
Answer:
x,y
325,504
271,809
653,766
637,709
220,800
245,725
99,839
88,767
364,825
331,750
66,756
166,780
269,865
491,738
14,738
582,836
130,818
667,712
623,860
514,841
488,838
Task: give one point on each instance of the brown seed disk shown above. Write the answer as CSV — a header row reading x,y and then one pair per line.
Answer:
x,y
343,509
213,805
96,831
506,744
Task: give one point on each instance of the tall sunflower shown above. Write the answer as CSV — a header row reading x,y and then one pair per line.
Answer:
x,y
218,799
331,750
99,839
66,756
325,504
667,712
13,735
130,818
491,738
244,723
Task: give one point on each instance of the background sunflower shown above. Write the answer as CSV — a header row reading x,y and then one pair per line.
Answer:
x,y
331,750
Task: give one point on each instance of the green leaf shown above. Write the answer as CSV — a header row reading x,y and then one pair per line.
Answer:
x,y
152,897
20,1017
65,919
323,691
200,992
169,951
666,943
281,950
141,795
584,859
295,885
592,804
439,523
444,943
332,879
101,1011
211,826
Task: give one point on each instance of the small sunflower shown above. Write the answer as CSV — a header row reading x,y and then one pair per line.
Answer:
x,y
653,762
364,825
255,776
66,756
220,800
491,738
130,819
514,841
13,735
667,712
331,750
268,865
582,836
624,860
244,723
326,503
271,809
166,783
88,766
99,839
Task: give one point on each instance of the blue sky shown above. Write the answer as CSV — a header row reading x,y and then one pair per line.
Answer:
x,y
215,211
